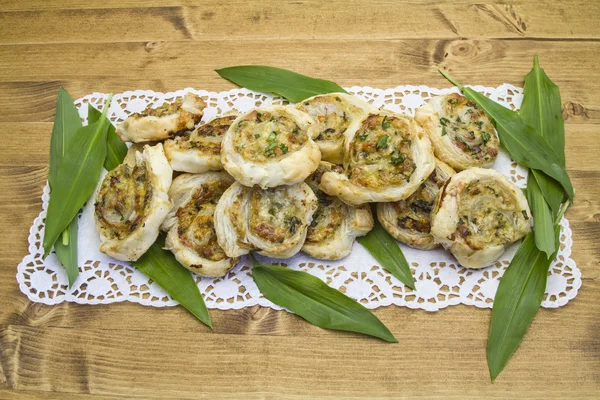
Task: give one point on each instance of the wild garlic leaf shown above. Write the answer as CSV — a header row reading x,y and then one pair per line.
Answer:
x,y
116,149
541,108
161,266
385,249
518,299
66,124
291,85
77,177
542,215
313,300
525,145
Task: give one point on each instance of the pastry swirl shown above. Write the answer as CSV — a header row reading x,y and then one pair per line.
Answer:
x,y
477,214
162,122
271,146
335,225
199,150
333,113
409,221
462,135
272,221
387,156
190,223
132,202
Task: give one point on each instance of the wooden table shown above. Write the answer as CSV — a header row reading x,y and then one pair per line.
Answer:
x,y
126,350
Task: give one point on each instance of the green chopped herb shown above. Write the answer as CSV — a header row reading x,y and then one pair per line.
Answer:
x,y
283,148
444,131
256,136
444,121
485,136
385,124
398,160
363,136
458,119
382,143
272,137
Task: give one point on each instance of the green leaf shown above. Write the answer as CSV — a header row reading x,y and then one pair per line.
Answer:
x,y
66,124
288,84
385,249
525,145
67,253
313,300
77,177
541,108
161,266
517,300
116,149
543,230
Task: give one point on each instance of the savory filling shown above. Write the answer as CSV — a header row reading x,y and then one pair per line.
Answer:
x,y
327,218
275,214
489,214
162,111
469,128
414,213
207,138
264,136
123,200
381,152
332,114
196,226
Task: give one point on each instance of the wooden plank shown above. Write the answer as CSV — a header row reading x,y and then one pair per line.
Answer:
x,y
271,20
31,74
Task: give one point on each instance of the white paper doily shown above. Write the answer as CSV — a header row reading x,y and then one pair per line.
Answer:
x,y
440,282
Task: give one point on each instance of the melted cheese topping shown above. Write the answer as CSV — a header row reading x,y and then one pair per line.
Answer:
x,y
195,221
489,214
265,136
123,200
333,114
469,128
207,138
380,152
274,215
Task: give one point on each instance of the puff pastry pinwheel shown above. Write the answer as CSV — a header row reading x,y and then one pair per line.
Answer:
x,y
409,221
333,113
386,158
462,135
190,224
199,150
272,221
163,122
477,214
132,202
335,224
271,146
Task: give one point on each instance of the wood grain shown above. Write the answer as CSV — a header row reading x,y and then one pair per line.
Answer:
x,y
128,351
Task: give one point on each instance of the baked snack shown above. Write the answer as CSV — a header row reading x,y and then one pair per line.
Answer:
x,y
409,221
271,221
333,113
477,214
387,157
335,225
199,150
190,223
271,146
162,122
132,202
462,135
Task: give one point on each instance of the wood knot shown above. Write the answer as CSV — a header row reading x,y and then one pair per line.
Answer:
x,y
463,49
153,46
571,109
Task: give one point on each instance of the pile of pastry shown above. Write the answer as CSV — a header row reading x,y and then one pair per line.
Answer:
x,y
282,179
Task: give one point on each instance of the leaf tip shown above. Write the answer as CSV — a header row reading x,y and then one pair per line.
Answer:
x,y
536,61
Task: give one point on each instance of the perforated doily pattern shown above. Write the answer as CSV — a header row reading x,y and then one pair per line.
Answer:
x,y
440,282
